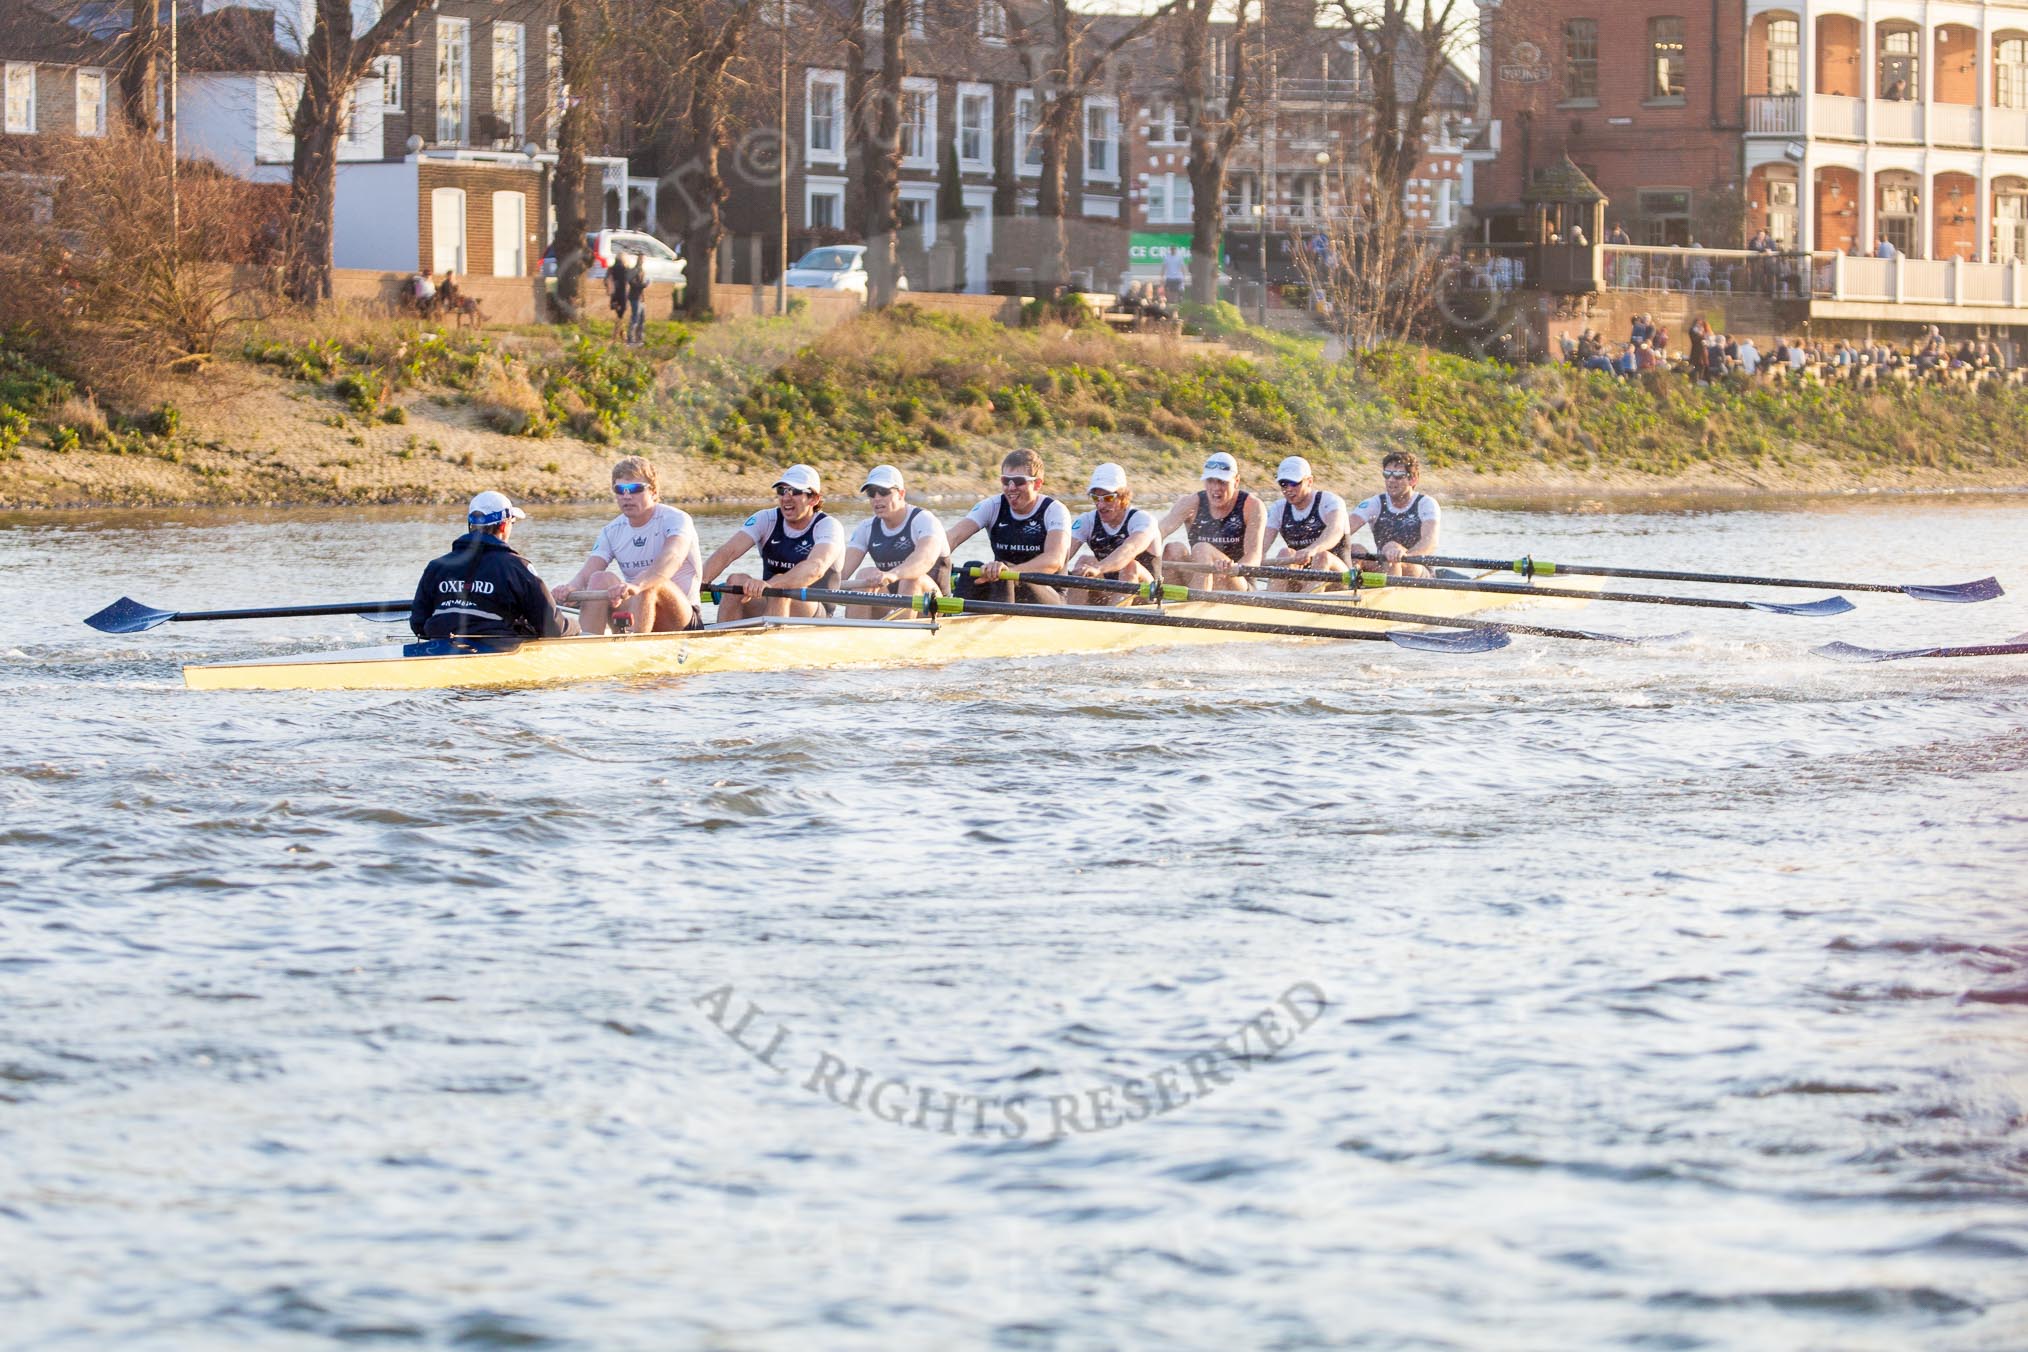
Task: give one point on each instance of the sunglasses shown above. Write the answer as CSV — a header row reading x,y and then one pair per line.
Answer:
x,y
1015,481
625,489
1100,495
784,491
876,492
1290,483
1394,474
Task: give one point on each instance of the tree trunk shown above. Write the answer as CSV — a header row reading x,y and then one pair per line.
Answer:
x,y
1053,268
877,116
703,187
313,187
566,184
138,69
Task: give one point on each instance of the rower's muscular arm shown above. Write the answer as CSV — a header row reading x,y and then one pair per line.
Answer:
x,y
812,569
919,561
1337,531
1178,514
1131,548
963,531
674,550
1256,530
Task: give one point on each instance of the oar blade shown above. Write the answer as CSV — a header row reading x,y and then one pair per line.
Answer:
x,y
128,616
1985,589
1464,641
1847,652
1830,605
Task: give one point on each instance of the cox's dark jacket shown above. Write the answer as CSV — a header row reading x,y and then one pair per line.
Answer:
x,y
483,589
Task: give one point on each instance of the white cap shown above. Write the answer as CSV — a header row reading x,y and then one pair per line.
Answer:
x,y
1294,468
800,476
491,508
1221,466
880,476
1107,478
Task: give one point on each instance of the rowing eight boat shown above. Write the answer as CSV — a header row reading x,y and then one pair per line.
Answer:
x,y
782,645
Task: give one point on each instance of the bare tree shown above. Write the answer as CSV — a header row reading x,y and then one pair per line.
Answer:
x,y
716,40
1404,46
873,146
139,63
1370,285
1065,55
582,33
334,60
1216,116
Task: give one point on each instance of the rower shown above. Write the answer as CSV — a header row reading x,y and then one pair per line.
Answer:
x,y
1307,526
799,543
644,561
1404,521
904,547
1026,528
1223,523
483,588
1119,538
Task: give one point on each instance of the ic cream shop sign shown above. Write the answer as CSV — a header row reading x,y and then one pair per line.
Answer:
x,y
1524,65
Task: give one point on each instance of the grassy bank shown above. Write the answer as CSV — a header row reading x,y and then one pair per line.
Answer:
x,y
359,410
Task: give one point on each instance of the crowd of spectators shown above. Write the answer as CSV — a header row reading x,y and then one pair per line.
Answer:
x,y
1709,354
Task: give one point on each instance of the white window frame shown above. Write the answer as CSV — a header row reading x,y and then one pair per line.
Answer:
x,y
916,25
1110,107
1162,191
834,80
387,70
454,34
822,185
993,23
97,107
926,194
926,144
1024,112
354,125
24,125
1168,127
983,162
503,28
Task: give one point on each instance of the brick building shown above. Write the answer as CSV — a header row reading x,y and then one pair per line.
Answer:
x,y
1643,97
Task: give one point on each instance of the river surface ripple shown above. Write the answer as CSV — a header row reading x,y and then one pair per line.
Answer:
x,y
1670,998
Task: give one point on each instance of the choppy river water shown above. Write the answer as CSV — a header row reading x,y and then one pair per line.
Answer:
x,y
1660,998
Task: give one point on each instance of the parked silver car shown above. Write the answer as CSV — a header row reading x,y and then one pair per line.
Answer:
x,y
835,267
662,262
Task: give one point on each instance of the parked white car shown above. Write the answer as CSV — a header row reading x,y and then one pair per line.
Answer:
x,y
835,267
662,262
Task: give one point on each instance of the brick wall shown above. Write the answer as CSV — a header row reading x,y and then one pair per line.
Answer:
x,y
1838,56
480,182
1625,140
1957,65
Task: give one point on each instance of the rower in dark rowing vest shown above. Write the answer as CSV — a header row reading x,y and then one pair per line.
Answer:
x,y
1404,521
1121,539
1223,525
903,547
800,546
1306,525
1026,529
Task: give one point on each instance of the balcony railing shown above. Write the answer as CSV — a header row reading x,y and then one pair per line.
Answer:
x,y
1837,116
1897,120
1954,124
2009,128
1822,276
1774,115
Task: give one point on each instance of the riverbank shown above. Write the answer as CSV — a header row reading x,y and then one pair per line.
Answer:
x,y
364,411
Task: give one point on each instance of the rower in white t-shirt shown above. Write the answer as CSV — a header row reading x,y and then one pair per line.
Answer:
x,y
1307,527
1119,539
645,559
903,547
799,545
1404,521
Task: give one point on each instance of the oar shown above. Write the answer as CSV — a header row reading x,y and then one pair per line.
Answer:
x,y
1846,652
1148,591
128,616
1830,605
1985,589
1470,641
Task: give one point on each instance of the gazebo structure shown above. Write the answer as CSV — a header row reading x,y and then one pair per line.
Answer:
x,y
1567,222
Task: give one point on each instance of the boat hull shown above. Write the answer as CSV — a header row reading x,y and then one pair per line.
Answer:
x,y
797,644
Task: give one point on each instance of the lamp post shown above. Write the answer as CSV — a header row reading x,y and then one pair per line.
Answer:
x,y
1260,227
782,167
